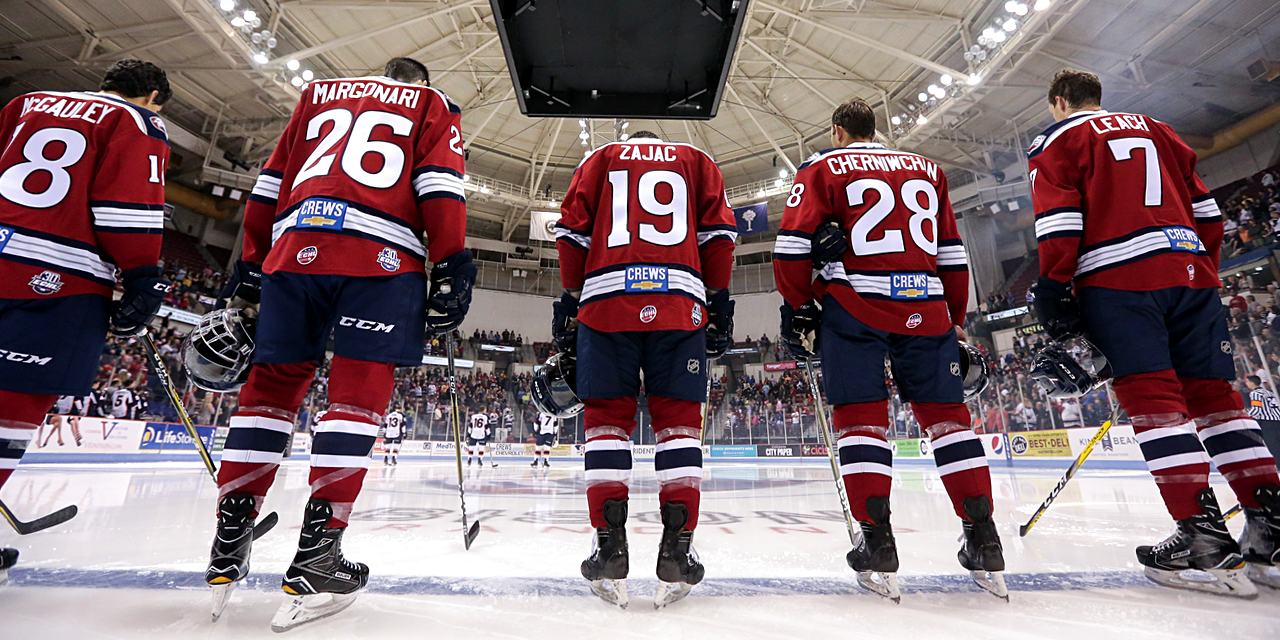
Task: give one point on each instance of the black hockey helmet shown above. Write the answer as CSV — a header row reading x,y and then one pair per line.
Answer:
x,y
217,354
1064,373
553,388
974,371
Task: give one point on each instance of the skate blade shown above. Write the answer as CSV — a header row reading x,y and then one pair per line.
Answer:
x,y
612,591
884,585
669,592
221,595
1231,583
992,582
4,577
1264,574
300,610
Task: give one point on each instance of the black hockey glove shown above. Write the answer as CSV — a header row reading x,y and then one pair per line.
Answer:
x,y
144,291
564,325
450,294
829,245
243,288
719,324
1056,305
800,329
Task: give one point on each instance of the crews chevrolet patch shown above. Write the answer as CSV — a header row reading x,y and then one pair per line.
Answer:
x,y
909,286
645,279
321,213
1181,239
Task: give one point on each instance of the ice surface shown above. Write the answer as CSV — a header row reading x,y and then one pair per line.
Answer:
x,y
771,536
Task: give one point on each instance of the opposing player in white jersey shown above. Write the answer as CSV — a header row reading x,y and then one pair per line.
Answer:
x,y
477,435
544,427
122,402
393,434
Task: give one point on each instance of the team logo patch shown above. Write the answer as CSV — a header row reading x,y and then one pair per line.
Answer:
x,y
321,213
1191,272
46,283
955,369
909,286
648,313
389,259
1035,144
159,124
914,321
307,255
694,365
696,315
645,279
1225,346
1182,239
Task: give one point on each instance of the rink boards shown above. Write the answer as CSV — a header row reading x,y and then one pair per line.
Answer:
x,y
108,440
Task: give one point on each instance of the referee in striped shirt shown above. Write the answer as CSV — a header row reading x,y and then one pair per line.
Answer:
x,y
1264,408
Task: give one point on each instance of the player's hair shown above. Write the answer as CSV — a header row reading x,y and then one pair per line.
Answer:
x,y
407,70
1078,88
856,118
1255,379
645,134
136,79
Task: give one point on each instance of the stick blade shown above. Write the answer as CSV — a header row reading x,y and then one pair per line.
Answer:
x,y
40,524
1022,530
267,524
471,534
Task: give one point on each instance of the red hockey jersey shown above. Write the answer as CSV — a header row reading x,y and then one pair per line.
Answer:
x,y
81,192
364,168
646,229
905,271
1118,205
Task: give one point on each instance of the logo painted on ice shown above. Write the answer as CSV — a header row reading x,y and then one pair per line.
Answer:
x,y
648,313
914,321
46,283
696,315
307,255
694,365
389,259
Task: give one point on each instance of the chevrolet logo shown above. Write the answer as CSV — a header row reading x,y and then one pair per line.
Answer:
x,y
317,221
1189,246
912,293
646,285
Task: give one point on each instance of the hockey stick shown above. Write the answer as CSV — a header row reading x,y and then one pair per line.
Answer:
x,y
468,533
162,372
821,414
1071,471
166,381
39,524
706,406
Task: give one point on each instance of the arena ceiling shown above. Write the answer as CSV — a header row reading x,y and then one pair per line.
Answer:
x,y
1181,61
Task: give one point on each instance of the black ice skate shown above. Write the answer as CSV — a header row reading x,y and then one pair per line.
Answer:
x,y
678,566
534,463
1200,555
1260,540
546,463
229,557
981,552
322,581
8,558
875,557
610,561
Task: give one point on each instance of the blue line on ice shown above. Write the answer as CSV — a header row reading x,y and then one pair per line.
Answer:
x,y
514,587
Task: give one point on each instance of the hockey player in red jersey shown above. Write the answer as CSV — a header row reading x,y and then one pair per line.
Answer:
x,y
365,168
646,252
900,290
81,195
1129,244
